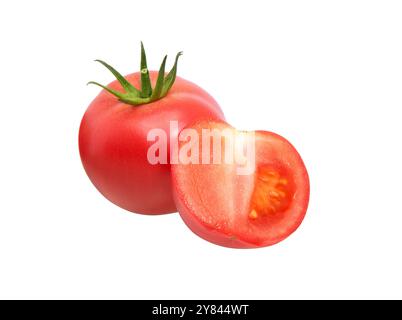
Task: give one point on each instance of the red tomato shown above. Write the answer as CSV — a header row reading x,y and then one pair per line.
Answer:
x,y
113,142
244,211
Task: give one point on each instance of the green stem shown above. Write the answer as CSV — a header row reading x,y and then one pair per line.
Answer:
x,y
146,86
147,94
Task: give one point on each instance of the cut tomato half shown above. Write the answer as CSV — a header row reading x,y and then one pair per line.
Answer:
x,y
236,210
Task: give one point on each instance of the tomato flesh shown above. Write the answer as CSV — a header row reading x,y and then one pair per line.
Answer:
x,y
244,211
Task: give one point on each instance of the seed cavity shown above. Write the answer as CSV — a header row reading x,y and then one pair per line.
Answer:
x,y
272,194
253,214
283,181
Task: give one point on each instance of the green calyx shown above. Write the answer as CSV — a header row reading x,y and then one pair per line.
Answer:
x,y
146,94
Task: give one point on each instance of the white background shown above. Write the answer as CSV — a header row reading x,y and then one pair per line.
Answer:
x,y
325,74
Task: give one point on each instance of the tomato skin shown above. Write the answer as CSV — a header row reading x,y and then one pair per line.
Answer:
x,y
201,213
113,143
208,233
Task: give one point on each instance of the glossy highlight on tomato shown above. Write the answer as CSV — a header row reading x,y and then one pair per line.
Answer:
x,y
244,211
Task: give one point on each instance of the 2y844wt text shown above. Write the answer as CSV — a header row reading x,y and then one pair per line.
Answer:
x,y
201,309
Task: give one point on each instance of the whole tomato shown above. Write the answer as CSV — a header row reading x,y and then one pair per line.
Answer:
x,y
113,134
